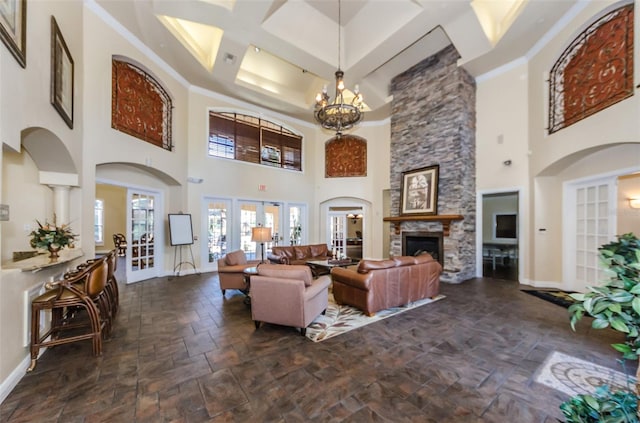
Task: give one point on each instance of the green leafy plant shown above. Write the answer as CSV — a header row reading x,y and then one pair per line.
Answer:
x,y
615,304
51,235
603,406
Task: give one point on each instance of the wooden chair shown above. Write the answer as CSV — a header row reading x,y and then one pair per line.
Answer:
x,y
120,242
81,289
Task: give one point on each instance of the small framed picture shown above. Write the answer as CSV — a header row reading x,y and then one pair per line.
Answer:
x,y
13,28
61,75
420,191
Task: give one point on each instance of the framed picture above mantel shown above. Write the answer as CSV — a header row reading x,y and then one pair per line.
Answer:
x,y
419,193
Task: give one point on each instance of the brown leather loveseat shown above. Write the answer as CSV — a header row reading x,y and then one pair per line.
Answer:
x,y
298,254
381,284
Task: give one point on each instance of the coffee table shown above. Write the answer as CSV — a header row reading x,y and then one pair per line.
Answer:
x,y
323,267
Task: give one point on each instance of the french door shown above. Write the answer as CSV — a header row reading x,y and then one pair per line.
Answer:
x,y
218,213
592,207
257,213
143,211
337,233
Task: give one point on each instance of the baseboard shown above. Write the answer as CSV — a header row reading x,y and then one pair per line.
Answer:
x,y
15,377
542,284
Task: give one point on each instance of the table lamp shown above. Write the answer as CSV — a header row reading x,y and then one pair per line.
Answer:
x,y
261,234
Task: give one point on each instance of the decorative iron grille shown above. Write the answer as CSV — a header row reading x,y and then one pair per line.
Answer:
x,y
594,72
140,106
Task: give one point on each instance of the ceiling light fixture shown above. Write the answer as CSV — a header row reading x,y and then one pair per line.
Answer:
x,y
339,115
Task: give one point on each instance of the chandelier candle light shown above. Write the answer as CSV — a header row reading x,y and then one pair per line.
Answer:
x,y
341,114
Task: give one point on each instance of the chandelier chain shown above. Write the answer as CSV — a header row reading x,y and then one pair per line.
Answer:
x,y
340,114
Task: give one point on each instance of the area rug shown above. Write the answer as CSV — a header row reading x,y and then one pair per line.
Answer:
x,y
575,376
340,319
558,297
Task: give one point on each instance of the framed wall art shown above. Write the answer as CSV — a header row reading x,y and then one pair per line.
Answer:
x,y
61,75
13,28
419,193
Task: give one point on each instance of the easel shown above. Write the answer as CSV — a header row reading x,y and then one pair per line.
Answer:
x,y
178,252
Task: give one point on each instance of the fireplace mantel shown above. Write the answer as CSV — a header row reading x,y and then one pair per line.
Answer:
x,y
446,220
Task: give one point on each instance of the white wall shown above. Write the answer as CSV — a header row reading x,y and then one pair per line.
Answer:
x,y
512,108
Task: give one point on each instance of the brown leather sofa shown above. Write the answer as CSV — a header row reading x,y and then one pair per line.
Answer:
x,y
298,254
380,284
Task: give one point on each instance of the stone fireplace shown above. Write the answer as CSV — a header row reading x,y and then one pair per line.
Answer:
x,y
433,123
414,243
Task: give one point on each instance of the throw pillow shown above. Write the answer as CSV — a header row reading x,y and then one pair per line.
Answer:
x,y
365,265
284,271
319,250
236,257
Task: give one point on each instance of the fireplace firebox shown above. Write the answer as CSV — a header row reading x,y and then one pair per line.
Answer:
x,y
415,243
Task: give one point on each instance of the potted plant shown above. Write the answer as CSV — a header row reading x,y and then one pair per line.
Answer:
x,y
615,304
51,237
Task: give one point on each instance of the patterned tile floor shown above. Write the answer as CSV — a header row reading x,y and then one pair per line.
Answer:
x,y
181,352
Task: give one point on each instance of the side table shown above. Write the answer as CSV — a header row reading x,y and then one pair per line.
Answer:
x,y
246,274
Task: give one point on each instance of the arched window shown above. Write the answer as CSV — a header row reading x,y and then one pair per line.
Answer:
x,y
345,156
254,140
140,106
594,72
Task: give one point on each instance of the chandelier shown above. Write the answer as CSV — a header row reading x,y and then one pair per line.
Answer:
x,y
341,114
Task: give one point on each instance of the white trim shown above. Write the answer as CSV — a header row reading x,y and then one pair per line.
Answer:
x,y
521,242
561,24
16,376
124,32
494,73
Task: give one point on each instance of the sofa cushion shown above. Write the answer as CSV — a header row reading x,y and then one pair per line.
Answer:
x,y
404,260
365,265
302,251
319,250
424,258
284,271
236,257
282,251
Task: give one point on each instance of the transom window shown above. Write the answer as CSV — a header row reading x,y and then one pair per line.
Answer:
x,y
254,140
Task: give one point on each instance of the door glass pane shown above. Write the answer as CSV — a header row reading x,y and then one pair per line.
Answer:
x,y
217,230
295,225
272,220
248,220
142,231
338,236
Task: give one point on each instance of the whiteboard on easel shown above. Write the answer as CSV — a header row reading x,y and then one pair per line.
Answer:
x,y
180,229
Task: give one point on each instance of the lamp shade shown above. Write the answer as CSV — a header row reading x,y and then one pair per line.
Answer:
x,y
634,203
261,234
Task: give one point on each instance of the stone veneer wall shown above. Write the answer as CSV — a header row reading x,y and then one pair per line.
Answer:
x,y
433,122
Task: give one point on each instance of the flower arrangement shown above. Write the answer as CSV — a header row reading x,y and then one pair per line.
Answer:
x,y
51,237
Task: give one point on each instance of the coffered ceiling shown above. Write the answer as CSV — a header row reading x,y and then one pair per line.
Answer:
x,y
279,53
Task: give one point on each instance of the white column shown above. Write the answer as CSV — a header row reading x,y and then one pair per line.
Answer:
x,y
61,203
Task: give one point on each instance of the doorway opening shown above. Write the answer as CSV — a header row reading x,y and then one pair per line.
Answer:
x,y
500,235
